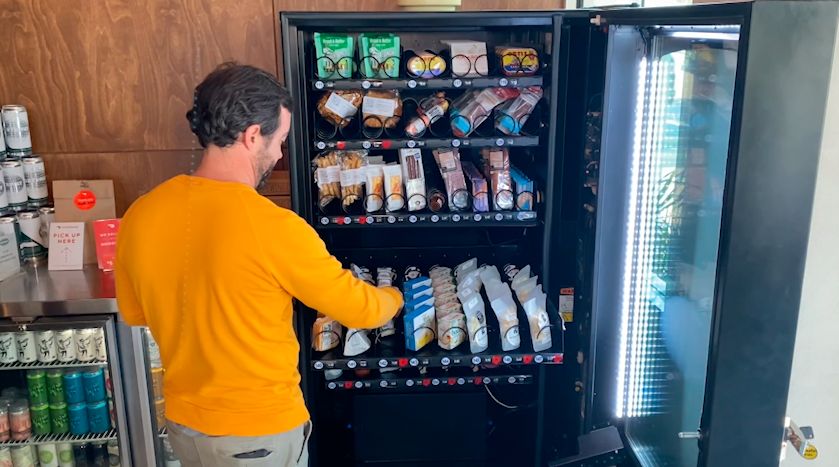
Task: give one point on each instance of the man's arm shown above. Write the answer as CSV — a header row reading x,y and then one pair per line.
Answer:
x,y
309,273
127,302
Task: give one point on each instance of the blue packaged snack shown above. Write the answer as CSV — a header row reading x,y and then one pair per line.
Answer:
x,y
524,190
416,283
414,294
420,327
425,300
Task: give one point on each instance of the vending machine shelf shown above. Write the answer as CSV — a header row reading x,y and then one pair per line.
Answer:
x,y
65,438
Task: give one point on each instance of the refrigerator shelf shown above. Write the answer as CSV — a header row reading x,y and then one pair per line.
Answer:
x,y
46,366
419,384
431,143
429,84
428,219
65,438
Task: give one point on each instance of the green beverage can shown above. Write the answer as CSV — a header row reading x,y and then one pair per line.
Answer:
x,y
55,386
36,381
59,417
40,415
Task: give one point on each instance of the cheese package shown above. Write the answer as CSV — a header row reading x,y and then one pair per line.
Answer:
x,y
420,327
451,330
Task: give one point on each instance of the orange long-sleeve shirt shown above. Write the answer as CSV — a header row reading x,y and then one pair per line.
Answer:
x,y
211,268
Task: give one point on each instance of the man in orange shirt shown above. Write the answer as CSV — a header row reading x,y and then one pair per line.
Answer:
x,y
211,267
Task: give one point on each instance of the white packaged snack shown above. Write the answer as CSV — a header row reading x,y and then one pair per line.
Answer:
x,y
523,275
525,289
357,342
476,321
538,321
414,176
375,198
470,280
465,267
490,274
505,310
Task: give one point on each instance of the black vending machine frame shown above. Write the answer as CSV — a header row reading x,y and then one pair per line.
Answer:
x,y
776,130
552,413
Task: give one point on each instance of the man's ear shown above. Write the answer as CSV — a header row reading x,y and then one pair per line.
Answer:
x,y
251,136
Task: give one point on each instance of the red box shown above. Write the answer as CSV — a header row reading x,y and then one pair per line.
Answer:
x,y
105,233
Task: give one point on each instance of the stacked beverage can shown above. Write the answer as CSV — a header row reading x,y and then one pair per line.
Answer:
x,y
85,344
47,214
36,382
2,141
48,455
16,131
24,456
15,183
35,178
20,421
65,455
47,351
10,228
26,347
8,346
5,452
31,243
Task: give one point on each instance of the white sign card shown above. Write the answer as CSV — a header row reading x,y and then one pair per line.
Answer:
x,y
66,246
9,256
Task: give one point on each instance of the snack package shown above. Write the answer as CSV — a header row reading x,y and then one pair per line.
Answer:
x,y
465,267
523,275
489,274
469,58
411,273
480,195
435,193
439,271
505,310
470,281
326,333
357,342
338,107
414,176
419,292
334,54
497,169
419,302
352,176
525,189
451,330
472,109
380,55
385,278
420,327
381,109
514,114
517,61
448,308
510,271
476,322
375,181
416,282
426,65
430,110
538,321
394,194
527,289
448,160
327,177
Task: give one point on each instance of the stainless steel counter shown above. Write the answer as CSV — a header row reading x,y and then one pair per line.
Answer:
x,y
36,291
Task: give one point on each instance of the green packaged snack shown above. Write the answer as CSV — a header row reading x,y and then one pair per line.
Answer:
x,y
380,55
334,55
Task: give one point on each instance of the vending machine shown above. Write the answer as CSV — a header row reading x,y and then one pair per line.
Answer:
x,y
649,172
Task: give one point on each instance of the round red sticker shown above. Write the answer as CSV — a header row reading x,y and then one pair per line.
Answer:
x,y
85,200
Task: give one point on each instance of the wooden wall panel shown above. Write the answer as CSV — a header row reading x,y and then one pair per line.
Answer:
x,y
133,173
118,75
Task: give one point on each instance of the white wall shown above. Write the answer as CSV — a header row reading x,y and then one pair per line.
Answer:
x,y
814,387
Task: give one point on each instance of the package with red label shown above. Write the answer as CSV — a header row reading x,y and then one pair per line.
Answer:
x,y
106,231
84,201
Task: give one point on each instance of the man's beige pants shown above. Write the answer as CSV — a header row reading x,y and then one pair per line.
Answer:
x,y
194,449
